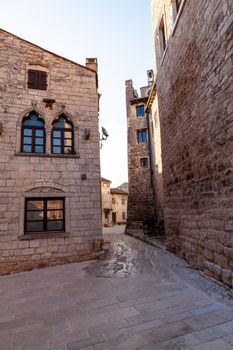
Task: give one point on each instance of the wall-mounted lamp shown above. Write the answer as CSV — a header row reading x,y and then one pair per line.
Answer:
x,y
104,136
87,133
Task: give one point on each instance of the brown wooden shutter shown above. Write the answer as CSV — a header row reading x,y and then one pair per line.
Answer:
x,y
42,80
32,79
37,79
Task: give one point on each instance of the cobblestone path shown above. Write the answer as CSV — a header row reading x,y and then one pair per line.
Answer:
x,y
137,297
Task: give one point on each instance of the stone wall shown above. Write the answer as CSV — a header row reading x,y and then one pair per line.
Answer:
x,y
140,213
156,156
106,202
195,89
74,177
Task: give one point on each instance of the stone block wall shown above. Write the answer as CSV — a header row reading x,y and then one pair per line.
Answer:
x,y
156,157
74,89
195,89
140,212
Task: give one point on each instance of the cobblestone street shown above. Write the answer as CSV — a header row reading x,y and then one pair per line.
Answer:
x,y
137,297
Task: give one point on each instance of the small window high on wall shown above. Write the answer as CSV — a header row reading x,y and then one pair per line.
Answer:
x,y
142,136
37,79
140,111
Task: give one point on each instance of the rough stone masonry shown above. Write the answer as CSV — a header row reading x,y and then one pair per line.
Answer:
x,y
194,58
49,174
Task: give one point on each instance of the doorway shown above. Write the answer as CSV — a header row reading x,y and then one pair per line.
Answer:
x,y
114,218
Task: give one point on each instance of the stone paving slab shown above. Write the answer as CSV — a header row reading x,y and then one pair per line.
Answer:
x,y
137,297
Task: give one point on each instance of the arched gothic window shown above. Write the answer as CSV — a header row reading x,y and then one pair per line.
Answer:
x,y
62,136
33,134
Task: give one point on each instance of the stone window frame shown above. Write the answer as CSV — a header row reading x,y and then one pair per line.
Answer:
x,y
48,234
48,136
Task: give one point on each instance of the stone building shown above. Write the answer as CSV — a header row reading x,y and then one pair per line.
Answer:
x,y
141,201
49,158
194,82
106,202
119,206
156,155
114,204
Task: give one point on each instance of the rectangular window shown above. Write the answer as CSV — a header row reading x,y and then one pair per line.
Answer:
x,y
140,111
44,215
123,201
162,36
144,162
142,136
37,79
123,215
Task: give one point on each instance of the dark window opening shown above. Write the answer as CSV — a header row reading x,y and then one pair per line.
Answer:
x,y
62,136
178,2
140,111
33,134
142,136
144,162
44,215
163,41
37,79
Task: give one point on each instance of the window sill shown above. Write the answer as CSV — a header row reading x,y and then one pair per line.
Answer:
x,y
54,234
23,154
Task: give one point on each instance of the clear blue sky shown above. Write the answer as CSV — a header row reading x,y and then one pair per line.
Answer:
x,y
117,32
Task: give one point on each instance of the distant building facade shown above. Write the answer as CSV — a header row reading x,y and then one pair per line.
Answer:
x,y
142,211
114,204
194,86
106,202
119,206
49,158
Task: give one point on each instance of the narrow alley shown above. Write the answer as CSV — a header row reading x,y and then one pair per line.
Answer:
x,y
136,297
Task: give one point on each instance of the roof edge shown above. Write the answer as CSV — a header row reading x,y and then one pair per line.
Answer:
x,y
50,52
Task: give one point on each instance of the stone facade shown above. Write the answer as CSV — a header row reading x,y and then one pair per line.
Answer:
x,y
194,48
114,204
72,176
141,209
119,206
156,155
106,202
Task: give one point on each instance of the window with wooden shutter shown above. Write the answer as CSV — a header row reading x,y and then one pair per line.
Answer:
x,y
37,79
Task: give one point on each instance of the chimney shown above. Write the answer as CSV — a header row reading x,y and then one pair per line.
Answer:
x,y
92,64
150,77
